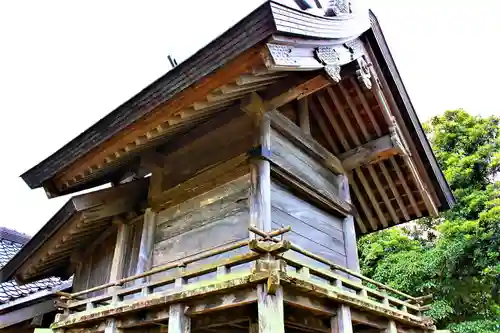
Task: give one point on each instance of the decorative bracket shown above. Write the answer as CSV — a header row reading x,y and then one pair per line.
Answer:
x,y
363,73
338,8
330,59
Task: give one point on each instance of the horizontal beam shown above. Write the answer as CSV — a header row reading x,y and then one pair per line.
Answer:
x,y
371,152
298,91
307,143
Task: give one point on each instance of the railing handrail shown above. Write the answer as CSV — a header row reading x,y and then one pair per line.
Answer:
x,y
350,272
237,245
159,269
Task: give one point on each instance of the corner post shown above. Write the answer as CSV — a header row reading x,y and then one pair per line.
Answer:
x,y
260,168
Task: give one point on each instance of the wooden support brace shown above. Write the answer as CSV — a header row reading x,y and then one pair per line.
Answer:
x,y
269,247
371,152
304,122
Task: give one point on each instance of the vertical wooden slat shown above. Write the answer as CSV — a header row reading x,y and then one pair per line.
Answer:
x,y
270,310
342,322
144,260
304,122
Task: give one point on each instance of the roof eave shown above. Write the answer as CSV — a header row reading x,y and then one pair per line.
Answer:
x,y
384,57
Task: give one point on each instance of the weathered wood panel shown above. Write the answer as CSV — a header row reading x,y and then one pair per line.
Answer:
x,y
221,144
292,159
312,228
214,218
94,271
132,249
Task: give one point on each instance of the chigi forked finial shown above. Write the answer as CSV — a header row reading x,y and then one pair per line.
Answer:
x,y
328,8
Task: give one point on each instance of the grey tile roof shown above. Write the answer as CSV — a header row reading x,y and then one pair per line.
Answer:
x,y
11,242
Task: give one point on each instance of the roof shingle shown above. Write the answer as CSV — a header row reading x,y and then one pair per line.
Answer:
x,y
11,242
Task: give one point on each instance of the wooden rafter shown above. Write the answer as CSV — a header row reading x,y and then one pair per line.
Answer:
x,y
346,146
378,131
427,197
357,142
370,152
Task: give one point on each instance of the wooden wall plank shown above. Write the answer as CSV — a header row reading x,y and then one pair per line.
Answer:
x,y
286,155
216,217
221,144
96,268
312,228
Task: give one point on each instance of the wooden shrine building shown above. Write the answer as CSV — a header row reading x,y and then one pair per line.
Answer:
x,y
240,181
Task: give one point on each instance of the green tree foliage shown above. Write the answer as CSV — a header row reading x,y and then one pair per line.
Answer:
x,y
461,265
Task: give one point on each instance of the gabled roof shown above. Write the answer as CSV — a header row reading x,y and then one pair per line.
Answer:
x,y
275,47
271,17
11,242
81,220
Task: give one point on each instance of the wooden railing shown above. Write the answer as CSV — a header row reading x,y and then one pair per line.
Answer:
x,y
177,275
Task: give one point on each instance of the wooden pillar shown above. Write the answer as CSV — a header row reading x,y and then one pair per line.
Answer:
x,y
145,258
271,315
260,168
351,246
111,327
119,255
342,322
178,321
391,328
304,121
260,180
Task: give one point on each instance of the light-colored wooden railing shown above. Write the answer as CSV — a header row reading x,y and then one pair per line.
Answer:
x,y
179,272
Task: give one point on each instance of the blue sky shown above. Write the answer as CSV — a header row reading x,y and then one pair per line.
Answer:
x,y
65,64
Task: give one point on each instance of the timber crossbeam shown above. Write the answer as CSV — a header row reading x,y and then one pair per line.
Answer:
x,y
276,267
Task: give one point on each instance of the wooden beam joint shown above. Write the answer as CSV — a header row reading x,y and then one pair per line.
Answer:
x,y
373,151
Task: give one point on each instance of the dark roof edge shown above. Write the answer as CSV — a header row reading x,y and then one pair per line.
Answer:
x,y
384,57
255,27
57,221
